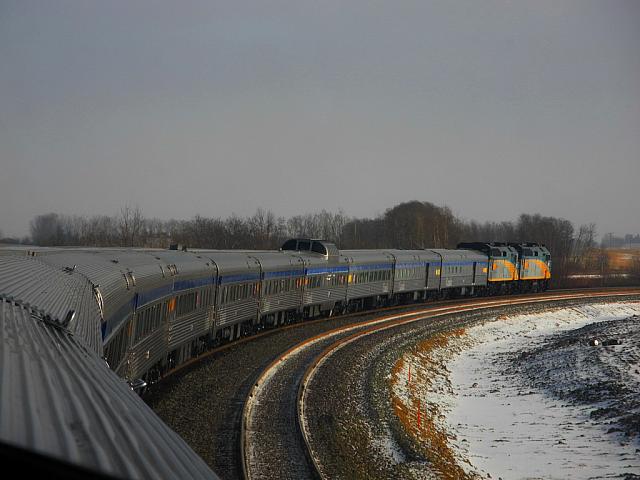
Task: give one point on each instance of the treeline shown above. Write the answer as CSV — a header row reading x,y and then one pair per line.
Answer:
x,y
424,225
407,225
130,228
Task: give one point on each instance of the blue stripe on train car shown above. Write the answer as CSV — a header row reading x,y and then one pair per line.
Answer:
x,y
411,264
238,278
152,295
320,270
288,273
180,285
376,266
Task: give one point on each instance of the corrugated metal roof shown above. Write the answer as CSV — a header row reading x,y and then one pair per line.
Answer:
x,y
59,399
270,261
420,255
101,272
64,297
367,256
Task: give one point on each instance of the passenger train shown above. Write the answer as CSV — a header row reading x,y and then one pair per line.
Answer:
x,y
145,312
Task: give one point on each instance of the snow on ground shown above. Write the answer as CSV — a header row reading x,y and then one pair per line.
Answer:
x,y
531,398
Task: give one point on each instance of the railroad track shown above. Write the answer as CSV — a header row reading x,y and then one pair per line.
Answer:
x,y
275,429
205,401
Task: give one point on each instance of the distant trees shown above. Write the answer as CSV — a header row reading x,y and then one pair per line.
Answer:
x,y
407,225
130,228
411,225
583,243
130,225
47,230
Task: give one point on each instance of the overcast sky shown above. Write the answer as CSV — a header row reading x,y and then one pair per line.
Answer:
x,y
493,108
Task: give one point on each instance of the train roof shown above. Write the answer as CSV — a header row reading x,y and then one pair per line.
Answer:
x,y
367,256
273,261
414,255
59,398
461,254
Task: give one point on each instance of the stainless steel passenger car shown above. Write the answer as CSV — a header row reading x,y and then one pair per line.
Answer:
x,y
463,270
62,410
416,272
281,286
237,296
326,274
370,276
325,285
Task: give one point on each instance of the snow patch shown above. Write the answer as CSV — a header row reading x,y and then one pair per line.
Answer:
x,y
519,402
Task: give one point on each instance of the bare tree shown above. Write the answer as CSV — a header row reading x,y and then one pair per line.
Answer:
x,y
583,243
46,230
130,226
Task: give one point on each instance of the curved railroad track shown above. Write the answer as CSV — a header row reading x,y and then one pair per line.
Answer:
x,y
239,406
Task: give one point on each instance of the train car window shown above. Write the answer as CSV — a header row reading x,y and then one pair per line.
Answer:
x,y
304,245
317,247
495,252
289,245
186,303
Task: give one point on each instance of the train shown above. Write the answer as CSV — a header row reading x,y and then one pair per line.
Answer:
x,y
134,315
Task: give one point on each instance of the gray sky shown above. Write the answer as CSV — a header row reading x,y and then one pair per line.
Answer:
x,y
493,108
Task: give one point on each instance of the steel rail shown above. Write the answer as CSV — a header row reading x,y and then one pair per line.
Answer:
x,y
417,306
372,326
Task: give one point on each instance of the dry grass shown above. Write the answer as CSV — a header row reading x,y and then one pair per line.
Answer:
x,y
419,418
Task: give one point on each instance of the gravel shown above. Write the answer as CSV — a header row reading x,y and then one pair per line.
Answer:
x,y
354,426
